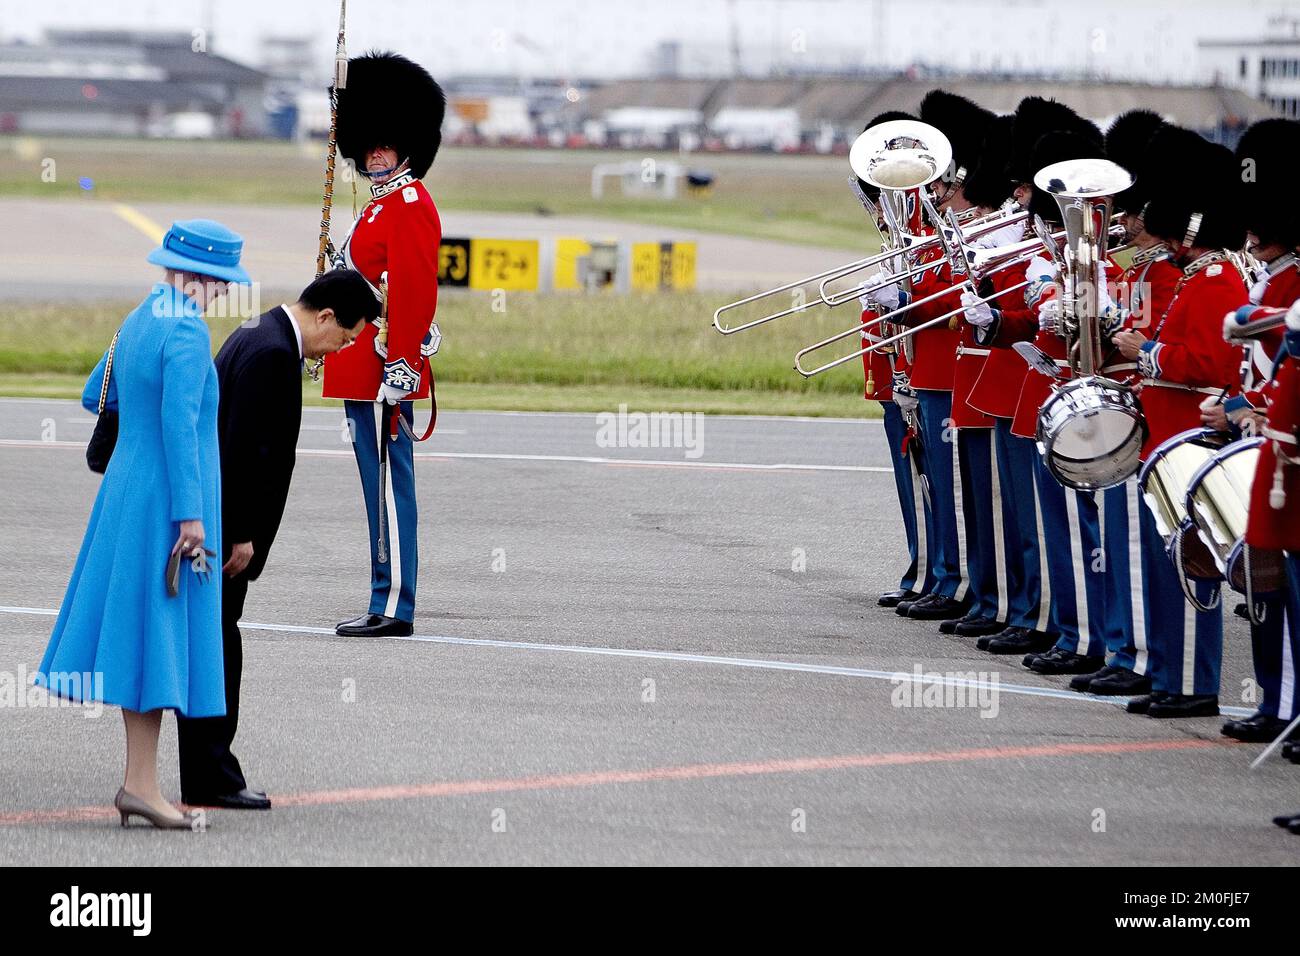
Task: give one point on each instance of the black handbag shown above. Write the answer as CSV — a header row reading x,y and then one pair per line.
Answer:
x,y
104,438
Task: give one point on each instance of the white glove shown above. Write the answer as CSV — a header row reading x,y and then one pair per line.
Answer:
x,y
1049,315
1257,290
391,395
978,314
884,299
1040,269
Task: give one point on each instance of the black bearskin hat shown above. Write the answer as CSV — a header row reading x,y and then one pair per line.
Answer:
x,y
390,101
987,185
1266,164
1126,144
1196,176
1056,147
963,121
873,193
1036,116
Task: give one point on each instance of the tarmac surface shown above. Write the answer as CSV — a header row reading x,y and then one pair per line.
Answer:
x,y
37,262
622,656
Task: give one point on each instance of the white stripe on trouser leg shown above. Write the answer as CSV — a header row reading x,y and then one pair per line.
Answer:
x,y
960,510
1138,617
394,533
999,538
1044,578
918,507
1286,688
1080,573
1189,646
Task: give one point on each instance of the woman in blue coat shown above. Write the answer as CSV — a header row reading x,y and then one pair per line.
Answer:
x,y
120,637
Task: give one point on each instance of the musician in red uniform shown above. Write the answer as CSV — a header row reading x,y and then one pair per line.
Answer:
x,y
1142,143
1070,519
1183,360
977,504
1269,149
389,126
887,382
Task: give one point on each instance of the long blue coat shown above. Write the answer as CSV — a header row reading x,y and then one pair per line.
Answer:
x,y
154,651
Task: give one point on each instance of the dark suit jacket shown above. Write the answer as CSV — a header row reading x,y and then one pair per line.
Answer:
x,y
260,373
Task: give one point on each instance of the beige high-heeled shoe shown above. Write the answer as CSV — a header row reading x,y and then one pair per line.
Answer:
x,y
129,805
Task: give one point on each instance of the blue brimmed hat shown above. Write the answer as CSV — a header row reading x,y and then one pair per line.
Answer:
x,y
204,247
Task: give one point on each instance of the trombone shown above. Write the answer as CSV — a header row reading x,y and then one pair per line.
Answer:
x,y
978,264
901,158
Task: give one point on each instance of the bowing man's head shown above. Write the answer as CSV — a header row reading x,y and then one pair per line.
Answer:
x,y
333,310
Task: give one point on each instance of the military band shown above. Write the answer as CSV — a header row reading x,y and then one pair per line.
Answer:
x,y
1081,340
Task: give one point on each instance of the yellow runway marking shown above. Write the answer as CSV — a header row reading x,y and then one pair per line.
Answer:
x,y
141,222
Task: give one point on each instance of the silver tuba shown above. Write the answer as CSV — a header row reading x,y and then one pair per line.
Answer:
x,y
1092,429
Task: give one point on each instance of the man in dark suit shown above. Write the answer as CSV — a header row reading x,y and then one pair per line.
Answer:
x,y
259,369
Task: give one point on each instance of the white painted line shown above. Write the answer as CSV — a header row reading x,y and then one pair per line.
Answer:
x,y
1022,690
571,459
329,409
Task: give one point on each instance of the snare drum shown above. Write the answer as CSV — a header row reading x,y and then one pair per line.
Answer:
x,y
1164,482
1091,432
1217,502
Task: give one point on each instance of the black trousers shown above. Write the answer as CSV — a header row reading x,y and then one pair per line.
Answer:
x,y
208,768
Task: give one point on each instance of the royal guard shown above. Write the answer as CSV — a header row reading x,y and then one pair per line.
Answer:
x,y
989,526
1071,531
994,392
1142,143
1183,360
887,382
1269,150
389,125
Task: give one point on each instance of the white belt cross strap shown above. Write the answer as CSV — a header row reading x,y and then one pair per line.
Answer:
x,y
1285,438
1160,383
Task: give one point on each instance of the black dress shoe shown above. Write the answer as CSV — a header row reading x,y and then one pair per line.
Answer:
x,y
1140,705
980,627
1294,826
1255,729
891,598
1060,661
375,625
933,607
1119,682
243,800
1016,640
1285,819
970,617
1185,705
905,605
1080,682
984,642
1291,751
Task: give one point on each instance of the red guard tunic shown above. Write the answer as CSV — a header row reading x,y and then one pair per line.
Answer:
x,y
1144,291
998,388
1279,290
1187,359
877,374
398,232
1267,526
935,349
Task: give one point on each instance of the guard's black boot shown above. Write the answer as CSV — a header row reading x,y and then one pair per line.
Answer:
x,y
933,607
1185,705
1021,642
1119,682
1140,705
1255,729
375,625
892,598
1058,661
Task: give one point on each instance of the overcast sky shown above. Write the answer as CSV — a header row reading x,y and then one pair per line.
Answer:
x,y
1149,39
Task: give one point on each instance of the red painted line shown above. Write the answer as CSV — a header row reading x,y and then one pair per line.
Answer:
x,y
601,778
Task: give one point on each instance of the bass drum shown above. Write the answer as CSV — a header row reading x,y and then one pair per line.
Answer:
x,y
1218,500
1164,482
1091,432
